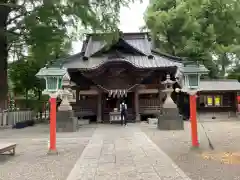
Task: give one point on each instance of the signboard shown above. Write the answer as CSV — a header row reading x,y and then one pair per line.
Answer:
x,y
217,101
209,101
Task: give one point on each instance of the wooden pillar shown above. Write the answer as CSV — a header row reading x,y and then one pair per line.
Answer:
x,y
99,107
160,96
77,95
136,102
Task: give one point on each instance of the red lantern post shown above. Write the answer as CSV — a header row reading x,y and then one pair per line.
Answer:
x,y
193,119
53,109
238,104
53,79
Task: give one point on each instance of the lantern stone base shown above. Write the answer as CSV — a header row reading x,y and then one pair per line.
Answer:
x,y
196,148
170,120
52,152
66,122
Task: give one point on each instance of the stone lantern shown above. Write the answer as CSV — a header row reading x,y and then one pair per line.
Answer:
x,y
66,121
170,118
65,94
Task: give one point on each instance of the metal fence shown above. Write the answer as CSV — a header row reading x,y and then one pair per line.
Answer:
x,y
10,118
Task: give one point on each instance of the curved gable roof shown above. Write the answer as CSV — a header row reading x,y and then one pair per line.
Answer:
x,y
138,41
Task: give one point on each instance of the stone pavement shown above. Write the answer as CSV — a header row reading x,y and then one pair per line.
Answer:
x,y
31,161
224,136
124,153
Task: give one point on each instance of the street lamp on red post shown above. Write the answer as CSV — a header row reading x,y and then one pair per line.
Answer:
x,y
191,82
53,80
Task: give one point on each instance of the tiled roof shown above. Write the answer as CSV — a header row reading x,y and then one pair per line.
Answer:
x,y
219,85
93,46
137,61
139,41
193,69
62,61
140,44
147,58
52,71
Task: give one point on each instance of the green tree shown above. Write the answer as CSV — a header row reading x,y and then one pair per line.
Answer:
x,y
22,72
201,30
22,75
39,23
234,72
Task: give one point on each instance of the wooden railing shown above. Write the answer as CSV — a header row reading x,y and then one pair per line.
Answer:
x,y
149,106
84,111
86,107
149,102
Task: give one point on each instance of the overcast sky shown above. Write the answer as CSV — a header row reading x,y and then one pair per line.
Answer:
x,y
131,20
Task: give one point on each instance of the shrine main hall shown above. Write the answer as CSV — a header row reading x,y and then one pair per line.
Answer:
x,y
129,69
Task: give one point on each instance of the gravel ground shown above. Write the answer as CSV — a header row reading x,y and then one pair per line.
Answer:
x,y
31,161
219,164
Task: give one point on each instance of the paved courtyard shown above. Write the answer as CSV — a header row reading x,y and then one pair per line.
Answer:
x,y
220,164
99,152
124,153
31,161
137,151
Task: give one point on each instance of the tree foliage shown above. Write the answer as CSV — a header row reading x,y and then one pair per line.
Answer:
x,y
42,28
35,23
234,72
202,30
22,74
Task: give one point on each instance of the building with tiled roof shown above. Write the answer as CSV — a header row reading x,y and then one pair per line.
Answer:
x,y
104,73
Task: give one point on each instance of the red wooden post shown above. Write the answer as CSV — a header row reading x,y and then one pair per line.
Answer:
x,y
53,109
238,104
193,118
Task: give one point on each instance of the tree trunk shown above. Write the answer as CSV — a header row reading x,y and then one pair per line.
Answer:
x,y
4,12
39,100
39,95
224,64
26,98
